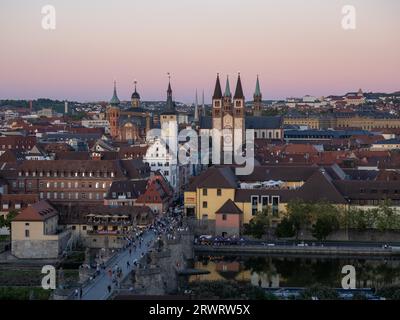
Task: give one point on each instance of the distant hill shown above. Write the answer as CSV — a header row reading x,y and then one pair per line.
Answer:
x,y
38,104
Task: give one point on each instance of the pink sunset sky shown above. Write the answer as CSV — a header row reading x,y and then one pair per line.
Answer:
x,y
297,47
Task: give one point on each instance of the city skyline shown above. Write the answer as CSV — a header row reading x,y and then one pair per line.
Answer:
x,y
295,48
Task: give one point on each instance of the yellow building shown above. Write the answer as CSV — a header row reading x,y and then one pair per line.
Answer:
x,y
345,120
267,188
35,233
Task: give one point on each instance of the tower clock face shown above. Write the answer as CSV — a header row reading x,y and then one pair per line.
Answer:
x,y
228,121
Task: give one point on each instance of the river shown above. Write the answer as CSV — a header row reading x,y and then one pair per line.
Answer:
x,y
283,272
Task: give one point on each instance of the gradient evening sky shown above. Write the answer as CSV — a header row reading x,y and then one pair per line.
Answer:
x,y
297,47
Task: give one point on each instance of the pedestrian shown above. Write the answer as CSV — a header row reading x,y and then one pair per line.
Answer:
x,y
76,293
128,264
80,293
109,288
130,251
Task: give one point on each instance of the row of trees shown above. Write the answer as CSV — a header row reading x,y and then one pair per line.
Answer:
x,y
324,218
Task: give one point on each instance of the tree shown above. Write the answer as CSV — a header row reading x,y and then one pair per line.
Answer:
x,y
326,223
327,220
320,292
258,225
6,221
299,214
285,229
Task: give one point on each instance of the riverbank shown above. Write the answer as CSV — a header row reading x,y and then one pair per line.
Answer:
x,y
296,250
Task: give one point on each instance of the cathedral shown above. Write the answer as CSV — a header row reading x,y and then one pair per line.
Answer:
x,y
229,117
129,125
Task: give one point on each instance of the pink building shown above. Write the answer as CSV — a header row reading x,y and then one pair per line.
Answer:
x,y
229,220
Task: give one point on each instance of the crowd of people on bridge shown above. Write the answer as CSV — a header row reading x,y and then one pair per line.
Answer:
x,y
166,225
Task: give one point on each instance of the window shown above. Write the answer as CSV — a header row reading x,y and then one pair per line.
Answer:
x,y
205,216
264,202
254,205
275,205
84,228
205,204
219,192
204,192
224,217
26,233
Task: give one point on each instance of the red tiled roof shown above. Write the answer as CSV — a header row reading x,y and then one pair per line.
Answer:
x,y
39,211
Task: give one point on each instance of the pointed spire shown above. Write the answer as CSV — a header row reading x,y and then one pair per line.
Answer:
x,y
196,109
227,88
203,107
217,91
170,106
257,93
169,90
239,90
114,100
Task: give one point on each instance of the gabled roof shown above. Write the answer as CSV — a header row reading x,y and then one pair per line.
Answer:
x,y
320,187
274,122
215,177
229,207
39,211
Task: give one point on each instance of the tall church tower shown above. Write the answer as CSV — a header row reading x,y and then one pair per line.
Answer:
x,y
228,116
239,113
169,118
217,106
257,103
113,113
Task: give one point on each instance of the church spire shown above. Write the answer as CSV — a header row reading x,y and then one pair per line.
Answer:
x,y
203,107
196,109
169,90
170,106
227,88
114,100
257,92
217,91
239,89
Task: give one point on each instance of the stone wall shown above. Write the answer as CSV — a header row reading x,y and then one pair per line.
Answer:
x,y
51,248
100,241
158,272
35,249
202,227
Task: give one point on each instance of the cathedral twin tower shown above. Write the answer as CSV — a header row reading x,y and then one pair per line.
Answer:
x,y
229,113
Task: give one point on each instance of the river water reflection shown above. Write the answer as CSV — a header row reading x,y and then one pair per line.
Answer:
x,y
280,272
